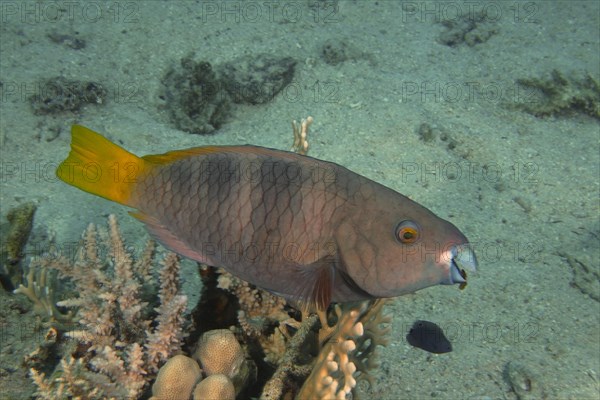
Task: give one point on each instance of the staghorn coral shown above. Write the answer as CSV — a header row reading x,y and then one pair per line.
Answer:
x,y
160,343
274,346
259,312
117,349
258,308
176,379
294,367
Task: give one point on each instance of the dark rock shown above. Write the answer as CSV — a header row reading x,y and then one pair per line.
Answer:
x,y
57,95
70,41
335,52
523,381
194,97
426,132
256,79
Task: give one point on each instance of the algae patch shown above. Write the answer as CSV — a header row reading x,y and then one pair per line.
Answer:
x,y
469,29
15,235
559,95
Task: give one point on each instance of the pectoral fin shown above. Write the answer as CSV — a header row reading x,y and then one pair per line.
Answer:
x,y
312,286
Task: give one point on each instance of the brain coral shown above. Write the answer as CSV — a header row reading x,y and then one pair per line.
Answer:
x,y
219,352
216,386
176,379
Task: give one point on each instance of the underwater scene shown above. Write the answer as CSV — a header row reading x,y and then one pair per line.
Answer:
x,y
299,199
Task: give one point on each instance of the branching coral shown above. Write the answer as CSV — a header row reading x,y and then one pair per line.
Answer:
x,y
348,354
41,291
345,358
293,367
259,312
258,308
300,130
117,349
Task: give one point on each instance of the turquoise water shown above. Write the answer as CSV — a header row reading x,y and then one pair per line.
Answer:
x,y
420,96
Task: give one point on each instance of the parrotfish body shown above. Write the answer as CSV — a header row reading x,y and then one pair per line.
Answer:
x,y
309,230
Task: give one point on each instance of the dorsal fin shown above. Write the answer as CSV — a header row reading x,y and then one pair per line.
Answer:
x,y
176,155
172,156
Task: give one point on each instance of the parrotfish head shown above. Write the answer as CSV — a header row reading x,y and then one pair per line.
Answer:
x,y
403,249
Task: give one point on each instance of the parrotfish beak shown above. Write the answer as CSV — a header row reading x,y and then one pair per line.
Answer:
x,y
462,260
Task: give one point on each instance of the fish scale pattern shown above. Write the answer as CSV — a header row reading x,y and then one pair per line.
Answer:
x,y
232,201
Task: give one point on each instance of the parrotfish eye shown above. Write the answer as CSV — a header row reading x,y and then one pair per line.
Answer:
x,y
407,232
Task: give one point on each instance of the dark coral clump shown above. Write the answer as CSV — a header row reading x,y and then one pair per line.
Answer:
x,y
57,95
194,97
14,237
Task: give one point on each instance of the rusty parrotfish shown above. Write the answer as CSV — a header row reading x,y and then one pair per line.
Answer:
x,y
306,229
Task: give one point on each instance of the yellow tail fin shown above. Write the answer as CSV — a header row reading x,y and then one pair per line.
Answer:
x,y
98,166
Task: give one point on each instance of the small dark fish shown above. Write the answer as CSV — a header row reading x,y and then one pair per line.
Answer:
x,y
429,337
